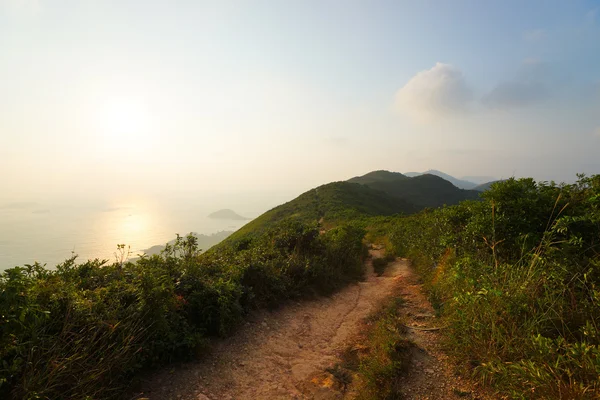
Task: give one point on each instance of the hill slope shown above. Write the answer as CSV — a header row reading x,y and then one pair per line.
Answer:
x,y
331,202
422,190
376,193
378,176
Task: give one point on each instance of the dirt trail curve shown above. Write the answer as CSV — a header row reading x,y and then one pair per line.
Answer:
x,y
277,355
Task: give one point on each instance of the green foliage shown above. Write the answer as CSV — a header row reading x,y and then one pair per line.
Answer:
x,y
83,330
376,194
517,277
421,191
331,204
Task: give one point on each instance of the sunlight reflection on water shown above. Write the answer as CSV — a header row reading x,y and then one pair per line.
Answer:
x,y
28,235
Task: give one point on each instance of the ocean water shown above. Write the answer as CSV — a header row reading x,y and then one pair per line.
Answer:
x,y
50,233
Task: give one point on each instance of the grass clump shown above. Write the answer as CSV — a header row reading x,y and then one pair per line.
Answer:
x,y
384,357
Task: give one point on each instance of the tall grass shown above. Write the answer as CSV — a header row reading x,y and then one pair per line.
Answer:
x,y
517,277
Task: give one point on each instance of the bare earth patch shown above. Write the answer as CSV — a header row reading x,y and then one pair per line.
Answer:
x,y
285,354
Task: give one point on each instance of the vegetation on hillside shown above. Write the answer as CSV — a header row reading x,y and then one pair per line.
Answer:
x,y
329,204
378,193
517,276
421,191
82,330
378,176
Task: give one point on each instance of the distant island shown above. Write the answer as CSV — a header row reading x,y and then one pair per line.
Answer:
x,y
204,242
227,214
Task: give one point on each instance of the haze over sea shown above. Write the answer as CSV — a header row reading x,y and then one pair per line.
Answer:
x,y
50,231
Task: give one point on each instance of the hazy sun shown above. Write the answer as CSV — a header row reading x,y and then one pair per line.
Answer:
x,y
125,122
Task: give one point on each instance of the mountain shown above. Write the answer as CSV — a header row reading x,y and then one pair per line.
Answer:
x,y
378,176
459,183
422,190
479,179
378,193
329,203
227,214
485,186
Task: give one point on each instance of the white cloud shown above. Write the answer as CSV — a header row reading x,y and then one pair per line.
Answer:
x,y
439,91
597,132
534,35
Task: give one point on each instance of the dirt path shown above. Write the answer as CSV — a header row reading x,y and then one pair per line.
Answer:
x,y
283,354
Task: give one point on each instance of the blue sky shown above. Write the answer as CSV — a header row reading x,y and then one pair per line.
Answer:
x,y
285,95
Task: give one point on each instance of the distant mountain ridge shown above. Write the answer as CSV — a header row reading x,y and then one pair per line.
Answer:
x,y
478,179
486,186
474,182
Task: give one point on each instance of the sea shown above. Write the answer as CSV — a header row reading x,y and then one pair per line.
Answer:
x,y
51,232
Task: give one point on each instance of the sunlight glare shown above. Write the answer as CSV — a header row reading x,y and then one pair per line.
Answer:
x,y
126,122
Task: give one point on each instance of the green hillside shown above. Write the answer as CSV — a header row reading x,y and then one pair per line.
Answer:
x,y
378,193
422,191
329,203
378,176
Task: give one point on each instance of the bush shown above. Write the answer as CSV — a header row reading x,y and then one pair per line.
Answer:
x,y
83,330
517,277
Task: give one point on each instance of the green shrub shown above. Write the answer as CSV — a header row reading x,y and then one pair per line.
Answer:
x,y
517,278
83,330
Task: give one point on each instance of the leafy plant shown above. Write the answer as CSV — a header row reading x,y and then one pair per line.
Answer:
x,y
84,330
517,276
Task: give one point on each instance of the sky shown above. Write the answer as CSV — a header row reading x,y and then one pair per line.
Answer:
x,y
106,98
